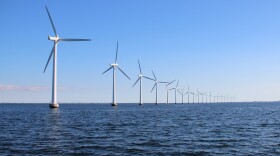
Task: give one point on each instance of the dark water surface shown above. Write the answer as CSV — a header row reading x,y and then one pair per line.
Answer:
x,y
96,129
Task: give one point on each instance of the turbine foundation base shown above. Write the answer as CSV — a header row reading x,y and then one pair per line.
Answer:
x,y
114,104
53,105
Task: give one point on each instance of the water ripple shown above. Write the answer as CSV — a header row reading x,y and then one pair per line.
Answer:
x,y
91,129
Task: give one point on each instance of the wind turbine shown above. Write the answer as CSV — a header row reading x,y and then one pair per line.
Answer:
x,y
156,84
210,97
193,95
140,76
222,99
182,94
53,53
166,85
201,95
215,99
205,96
188,94
168,93
197,97
115,66
176,88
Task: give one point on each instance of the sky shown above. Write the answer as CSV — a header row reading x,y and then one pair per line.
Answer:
x,y
224,47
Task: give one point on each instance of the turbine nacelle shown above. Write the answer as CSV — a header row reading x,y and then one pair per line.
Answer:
x,y
114,64
140,75
53,38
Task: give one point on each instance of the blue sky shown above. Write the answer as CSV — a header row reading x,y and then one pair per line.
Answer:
x,y
226,47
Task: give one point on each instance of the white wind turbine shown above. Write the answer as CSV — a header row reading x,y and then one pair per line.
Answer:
x,y
215,99
201,95
193,95
156,84
115,66
175,89
197,97
210,96
206,97
188,92
168,93
222,99
53,53
182,94
166,85
140,76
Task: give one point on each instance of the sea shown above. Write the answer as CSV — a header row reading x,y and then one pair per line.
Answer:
x,y
130,129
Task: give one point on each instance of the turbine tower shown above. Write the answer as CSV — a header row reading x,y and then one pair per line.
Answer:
x,y
182,94
140,76
156,84
210,97
197,97
166,85
201,95
53,53
176,88
205,96
188,94
193,96
215,99
115,66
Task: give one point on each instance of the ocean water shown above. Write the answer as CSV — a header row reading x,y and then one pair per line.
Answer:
x,y
130,129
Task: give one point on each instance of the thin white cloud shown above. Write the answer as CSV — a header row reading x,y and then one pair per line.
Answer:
x,y
23,88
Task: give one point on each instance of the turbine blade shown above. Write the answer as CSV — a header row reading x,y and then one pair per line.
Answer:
x,y
153,87
49,59
123,72
179,91
148,78
170,82
139,67
117,52
154,75
136,81
51,21
73,39
107,70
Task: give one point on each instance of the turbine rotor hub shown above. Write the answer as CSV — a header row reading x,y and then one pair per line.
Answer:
x,y
114,64
53,38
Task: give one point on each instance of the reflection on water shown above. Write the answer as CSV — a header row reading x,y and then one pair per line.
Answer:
x,y
195,129
115,108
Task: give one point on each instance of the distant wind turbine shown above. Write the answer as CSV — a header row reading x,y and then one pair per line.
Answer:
x,y
206,97
201,95
156,84
210,96
188,92
166,85
140,76
193,95
115,66
176,89
56,40
182,94
197,97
